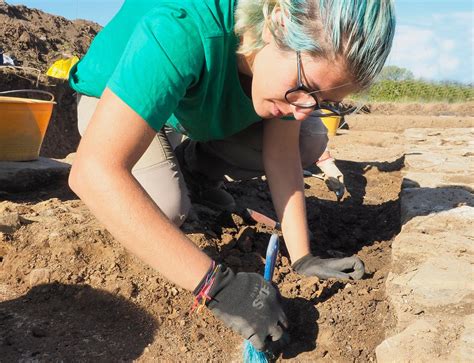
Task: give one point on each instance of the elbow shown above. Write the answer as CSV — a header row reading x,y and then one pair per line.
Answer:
x,y
81,176
75,178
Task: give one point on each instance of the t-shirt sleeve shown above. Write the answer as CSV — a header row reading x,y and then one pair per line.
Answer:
x,y
163,58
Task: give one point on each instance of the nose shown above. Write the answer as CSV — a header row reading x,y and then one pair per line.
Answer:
x,y
299,113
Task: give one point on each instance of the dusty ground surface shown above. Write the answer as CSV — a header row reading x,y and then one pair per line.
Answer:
x,y
69,291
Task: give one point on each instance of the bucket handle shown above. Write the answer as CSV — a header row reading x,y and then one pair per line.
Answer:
x,y
30,90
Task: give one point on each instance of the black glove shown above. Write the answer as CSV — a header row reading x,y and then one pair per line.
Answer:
x,y
325,268
247,304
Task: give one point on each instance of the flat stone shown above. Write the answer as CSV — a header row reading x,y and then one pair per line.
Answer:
x,y
419,247
425,201
429,162
417,343
417,179
439,281
441,151
430,286
459,220
436,136
25,176
464,347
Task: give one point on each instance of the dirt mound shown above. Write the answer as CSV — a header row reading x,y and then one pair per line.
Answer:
x,y
422,109
35,40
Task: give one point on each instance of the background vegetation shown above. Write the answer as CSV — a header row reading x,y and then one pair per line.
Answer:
x,y
396,84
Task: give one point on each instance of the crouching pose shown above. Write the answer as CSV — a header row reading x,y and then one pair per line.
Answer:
x,y
238,78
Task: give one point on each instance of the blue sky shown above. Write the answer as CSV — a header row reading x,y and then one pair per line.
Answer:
x,y
434,38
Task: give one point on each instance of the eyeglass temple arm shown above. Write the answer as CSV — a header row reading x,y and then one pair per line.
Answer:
x,y
298,65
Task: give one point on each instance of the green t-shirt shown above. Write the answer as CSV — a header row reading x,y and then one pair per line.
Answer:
x,y
172,62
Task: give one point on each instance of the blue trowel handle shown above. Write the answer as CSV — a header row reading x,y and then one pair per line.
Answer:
x,y
270,258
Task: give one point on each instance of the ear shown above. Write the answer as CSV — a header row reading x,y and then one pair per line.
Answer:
x,y
267,35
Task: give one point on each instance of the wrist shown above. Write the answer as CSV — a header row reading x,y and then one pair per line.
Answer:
x,y
299,249
202,291
301,261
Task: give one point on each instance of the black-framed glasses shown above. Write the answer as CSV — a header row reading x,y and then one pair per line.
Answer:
x,y
304,97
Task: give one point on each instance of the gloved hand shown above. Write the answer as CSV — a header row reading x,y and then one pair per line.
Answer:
x,y
333,177
325,268
247,304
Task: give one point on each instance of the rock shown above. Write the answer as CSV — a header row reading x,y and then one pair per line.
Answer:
x,y
430,281
438,281
26,176
424,201
39,276
464,348
9,223
415,343
174,291
238,220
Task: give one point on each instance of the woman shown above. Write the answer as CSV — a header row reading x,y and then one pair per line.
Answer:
x,y
240,91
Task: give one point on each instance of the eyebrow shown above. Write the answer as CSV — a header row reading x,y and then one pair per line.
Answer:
x,y
328,89
322,100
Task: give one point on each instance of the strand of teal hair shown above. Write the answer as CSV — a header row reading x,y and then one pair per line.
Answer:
x,y
296,37
365,27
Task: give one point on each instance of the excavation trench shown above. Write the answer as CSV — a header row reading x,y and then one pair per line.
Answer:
x,y
69,291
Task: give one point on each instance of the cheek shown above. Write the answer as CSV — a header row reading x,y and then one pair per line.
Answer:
x,y
270,85
272,78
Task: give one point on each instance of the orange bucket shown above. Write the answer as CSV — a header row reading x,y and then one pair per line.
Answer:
x,y
23,124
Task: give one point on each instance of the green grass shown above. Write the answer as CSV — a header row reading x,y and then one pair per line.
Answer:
x,y
417,91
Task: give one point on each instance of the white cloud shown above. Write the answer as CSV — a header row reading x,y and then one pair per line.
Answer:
x,y
447,44
437,51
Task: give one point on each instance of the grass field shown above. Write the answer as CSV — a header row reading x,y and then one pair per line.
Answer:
x,y
417,91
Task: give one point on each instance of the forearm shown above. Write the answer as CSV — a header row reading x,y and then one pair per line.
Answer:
x,y
288,199
121,204
282,163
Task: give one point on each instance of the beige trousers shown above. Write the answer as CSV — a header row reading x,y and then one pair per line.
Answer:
x,y
238,156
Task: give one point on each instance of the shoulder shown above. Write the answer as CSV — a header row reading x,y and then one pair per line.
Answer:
x,y
208,18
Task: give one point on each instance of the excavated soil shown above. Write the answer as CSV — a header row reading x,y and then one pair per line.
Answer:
x,y
68,291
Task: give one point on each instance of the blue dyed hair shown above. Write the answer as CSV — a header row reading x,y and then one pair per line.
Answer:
x,y
360,32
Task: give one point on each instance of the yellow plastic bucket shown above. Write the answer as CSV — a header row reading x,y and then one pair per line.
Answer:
x,y
23,124
331,123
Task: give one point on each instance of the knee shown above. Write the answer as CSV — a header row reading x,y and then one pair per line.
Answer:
x,y
164,186
178,210
311,148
